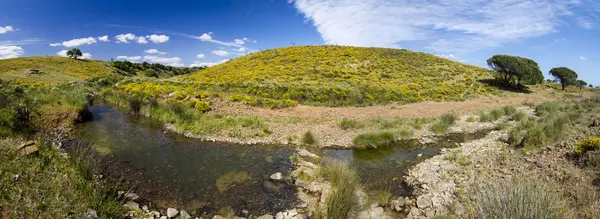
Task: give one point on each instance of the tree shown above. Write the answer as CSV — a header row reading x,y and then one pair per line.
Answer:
x,y
581,84
515,70
74,53
565,75
590,85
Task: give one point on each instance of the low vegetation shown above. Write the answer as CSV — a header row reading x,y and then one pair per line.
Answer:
x,y
444,122
588,144
341,203
374,139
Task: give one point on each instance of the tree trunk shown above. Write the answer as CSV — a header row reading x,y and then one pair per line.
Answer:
x,y
563,86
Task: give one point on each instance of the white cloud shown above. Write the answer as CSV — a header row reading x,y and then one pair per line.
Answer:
x,y
207,64
206,36
200,56
158,38
154,51
129,58
584,23
79,42
163,60
55,44
560,40
83,55
583,58
388,23
177,64
242,50
103,39
6,29
125,38
220,52
452,57
238,41
141,40
8,52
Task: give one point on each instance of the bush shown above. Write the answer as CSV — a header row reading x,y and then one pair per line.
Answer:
x,y
520,116
497,114
202,106
518,199
588,144
471,119
374,139
341,203
308,138
445,121
509,110
135,104
346,124
485,117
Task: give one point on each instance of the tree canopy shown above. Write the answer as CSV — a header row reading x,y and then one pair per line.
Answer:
x,y
581,84
515,70
565,75
74,53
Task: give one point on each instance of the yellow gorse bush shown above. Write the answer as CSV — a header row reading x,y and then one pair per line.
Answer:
x,y
588,144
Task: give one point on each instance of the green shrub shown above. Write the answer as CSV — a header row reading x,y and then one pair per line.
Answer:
x,y
509,110
520,116
496,114
518,199
588,144
444,122
135,104
471,119
374,139
346,124
405,131
308,138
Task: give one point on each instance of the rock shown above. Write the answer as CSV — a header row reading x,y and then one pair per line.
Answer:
x,y
184,215
279,215
245,212
430,213
292,213
539,163
25,144
305,153
594,123
29,150
155,214
172,212
398,204
415,212
132,206
163,217
266,216
277,176
32,72
426,140
90,214
131,196
302,205
423,202
270,186
145,209
419,155
300,216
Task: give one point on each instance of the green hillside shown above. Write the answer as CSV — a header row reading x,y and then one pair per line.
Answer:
x,y
52,69
343,75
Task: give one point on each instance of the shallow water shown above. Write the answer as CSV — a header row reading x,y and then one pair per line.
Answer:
x,y
170,170
382,169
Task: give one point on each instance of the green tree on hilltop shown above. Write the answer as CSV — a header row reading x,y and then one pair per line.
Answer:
x,y
581,84
516,71
565,75
74,53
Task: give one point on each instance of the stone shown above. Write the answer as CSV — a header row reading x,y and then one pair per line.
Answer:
x,y
302,205
279,215
398,204
415,212
132,206
300,216
145,208
594,123
292,213
163,217
245,212
305,153
29,150
419,155
184,215
131,196
266,216
430,213
423,202
539,163
25,144
172,212
90,214
276,176
155,214
32,72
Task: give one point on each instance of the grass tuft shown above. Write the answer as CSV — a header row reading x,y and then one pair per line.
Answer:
x,y
374,139
341,203
309,139
347,124
444,122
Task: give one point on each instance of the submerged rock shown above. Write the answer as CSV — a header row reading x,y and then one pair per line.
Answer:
x,y
305,153
131,196
277,176
172,212
230,178
184,215
132,206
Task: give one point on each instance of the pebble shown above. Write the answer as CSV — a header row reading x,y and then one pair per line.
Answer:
x,y
172,212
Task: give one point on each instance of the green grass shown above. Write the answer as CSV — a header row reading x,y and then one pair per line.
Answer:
x,y
374,139
309,139
344,76
518,199
341,203
346,124
51,186
444,122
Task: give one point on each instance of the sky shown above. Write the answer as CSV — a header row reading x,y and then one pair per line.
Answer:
x,y
554,33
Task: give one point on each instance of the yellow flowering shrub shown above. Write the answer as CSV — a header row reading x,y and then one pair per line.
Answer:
x,y
588,144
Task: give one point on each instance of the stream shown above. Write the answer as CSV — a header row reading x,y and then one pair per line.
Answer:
x,y
169,170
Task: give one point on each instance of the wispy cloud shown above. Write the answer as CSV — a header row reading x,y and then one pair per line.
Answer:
x,y
21,42
583,58
455,26
154,51
6,29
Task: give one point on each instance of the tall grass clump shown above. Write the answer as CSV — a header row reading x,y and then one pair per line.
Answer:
x,y
134,104
509,110
374,139
444,122
346,124
309,139
341,203
518,199
485,117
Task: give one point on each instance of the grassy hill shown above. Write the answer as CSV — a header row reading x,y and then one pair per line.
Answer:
x,y
343,75
53,69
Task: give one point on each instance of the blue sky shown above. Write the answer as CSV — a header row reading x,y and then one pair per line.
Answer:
x,y
184,33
